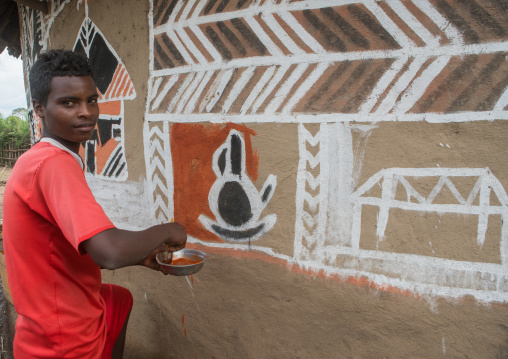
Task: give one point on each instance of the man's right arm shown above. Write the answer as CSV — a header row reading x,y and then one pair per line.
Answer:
x,y
116,248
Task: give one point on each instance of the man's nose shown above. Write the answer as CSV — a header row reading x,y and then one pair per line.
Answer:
x,y
85,110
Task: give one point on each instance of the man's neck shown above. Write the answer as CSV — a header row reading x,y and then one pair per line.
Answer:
x,y
72,146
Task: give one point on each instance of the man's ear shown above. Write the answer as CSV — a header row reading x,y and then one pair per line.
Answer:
x,y
38,108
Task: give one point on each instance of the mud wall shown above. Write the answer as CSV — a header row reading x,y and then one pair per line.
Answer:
x,y
343,163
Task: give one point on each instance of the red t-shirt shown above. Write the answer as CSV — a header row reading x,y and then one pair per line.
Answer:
x,y
48,211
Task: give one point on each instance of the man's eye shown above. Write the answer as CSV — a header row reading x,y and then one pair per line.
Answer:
x,y
68,103
93,100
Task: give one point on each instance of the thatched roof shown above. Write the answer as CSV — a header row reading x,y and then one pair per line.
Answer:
x,y
10,36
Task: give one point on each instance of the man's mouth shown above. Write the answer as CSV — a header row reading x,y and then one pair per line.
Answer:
x,y
86,127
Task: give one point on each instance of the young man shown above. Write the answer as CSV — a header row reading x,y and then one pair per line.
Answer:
x,y
57,237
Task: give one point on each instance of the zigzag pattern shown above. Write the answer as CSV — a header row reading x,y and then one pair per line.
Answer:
x,y
366,57
307,223
156,169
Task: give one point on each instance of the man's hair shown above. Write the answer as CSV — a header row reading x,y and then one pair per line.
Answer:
x,y
55,63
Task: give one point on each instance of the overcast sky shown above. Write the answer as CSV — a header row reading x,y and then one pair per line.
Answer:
x,y
12,86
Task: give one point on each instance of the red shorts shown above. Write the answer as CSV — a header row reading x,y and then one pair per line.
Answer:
x,y
118,302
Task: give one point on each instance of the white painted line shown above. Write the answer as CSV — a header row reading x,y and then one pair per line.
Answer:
x,y
400,86
413,23
444,25
389,25
502,102
206,43
301,32
382,85
281,34
163,93
179,92
217,89
263,36
181,48
286,87
238,88
279,74
331,57
420,84
185,12
191,105
267,75
189,90
191,46
305,86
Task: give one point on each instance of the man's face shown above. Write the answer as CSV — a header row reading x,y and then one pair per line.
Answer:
x,y
71,111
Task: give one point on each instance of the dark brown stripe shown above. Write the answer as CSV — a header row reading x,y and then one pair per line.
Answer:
x,y
232,38
331,38
249,36
162,58
318,95
481,16
240,4
484,75
357,73
221,6
455,76
490,100
218,43
366,87
501,5
354,36
172,48
372,24
209,6
449,12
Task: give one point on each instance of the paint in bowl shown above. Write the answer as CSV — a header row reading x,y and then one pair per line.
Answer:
x,y
184,262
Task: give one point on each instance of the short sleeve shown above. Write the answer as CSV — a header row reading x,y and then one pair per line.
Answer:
x,y
60,194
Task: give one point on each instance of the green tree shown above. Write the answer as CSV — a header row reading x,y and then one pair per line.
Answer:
x,y
15,129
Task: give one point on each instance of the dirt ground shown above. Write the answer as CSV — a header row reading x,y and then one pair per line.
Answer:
x,y
4,175
5,346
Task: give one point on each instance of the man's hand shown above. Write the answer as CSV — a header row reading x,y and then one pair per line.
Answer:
x,y
177,236
176,241
150,261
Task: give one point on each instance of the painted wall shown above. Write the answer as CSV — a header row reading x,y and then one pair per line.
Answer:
x,y
344,164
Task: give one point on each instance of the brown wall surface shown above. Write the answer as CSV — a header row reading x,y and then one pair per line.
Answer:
x,y
343,165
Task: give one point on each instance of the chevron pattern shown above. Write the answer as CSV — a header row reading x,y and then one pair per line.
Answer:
x,y
157,164
32,46
308,227
371,60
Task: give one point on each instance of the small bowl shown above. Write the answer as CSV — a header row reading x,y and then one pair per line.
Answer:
x,y
181,270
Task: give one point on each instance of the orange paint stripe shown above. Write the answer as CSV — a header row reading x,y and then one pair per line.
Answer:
x,y
128,89
119,73
114,82
122,78
112,108
358,281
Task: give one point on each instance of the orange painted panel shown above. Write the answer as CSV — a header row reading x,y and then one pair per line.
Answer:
x,y
192,148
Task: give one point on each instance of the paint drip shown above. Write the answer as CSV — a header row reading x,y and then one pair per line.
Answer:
x,y
192,291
